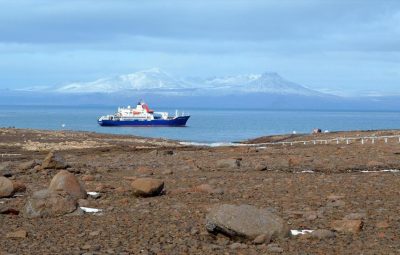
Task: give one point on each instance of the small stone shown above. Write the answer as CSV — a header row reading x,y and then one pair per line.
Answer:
x,y
6,187
262,239
88,178
147,187
274,248
311,215
86,247
28,165
322,234
334,197
194,231
54,161
18,186
382,224
355,216
261,167
349,226
337,204
17,234
236,246
83,203
206,188
144,171
167,172
94,233
229,163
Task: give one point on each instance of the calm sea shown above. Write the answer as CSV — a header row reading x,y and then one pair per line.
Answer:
x,y
204,125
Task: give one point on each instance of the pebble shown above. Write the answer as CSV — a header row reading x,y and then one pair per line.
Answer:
x,y
349,226
17,234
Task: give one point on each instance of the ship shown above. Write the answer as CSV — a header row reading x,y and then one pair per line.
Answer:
x,y
142,115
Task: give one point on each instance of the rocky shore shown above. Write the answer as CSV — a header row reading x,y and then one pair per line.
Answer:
x,y
65,192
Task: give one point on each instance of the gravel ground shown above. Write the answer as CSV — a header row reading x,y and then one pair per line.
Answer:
x,y
309,186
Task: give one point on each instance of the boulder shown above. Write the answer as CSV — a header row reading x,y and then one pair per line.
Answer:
x,y
347,226
245,222
229,163
54,161
66,181
6,187
147,187
46,203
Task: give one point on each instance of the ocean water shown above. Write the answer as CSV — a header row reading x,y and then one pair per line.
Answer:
x,y
204,125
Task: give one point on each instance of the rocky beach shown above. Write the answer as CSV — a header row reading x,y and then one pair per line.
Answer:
x,y
64,192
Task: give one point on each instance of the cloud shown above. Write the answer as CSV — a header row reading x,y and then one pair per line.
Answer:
x,y
318,43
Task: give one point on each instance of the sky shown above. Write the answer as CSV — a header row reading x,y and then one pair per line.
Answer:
x,y
343,46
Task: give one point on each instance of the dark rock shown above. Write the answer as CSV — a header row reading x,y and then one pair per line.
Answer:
x,y
6,187
66,181
245,222
54,161
9,211
147,187
45,203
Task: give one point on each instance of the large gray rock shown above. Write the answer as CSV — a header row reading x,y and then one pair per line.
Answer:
x,y
45,203
54,161
6,187
245,222
66,181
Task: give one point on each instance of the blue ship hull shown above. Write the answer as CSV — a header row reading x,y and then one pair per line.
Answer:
x,y
174,122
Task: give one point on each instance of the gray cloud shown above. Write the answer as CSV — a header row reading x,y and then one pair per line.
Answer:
x,y
319,43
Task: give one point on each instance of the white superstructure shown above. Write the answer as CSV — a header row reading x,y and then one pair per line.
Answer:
x,y
141,112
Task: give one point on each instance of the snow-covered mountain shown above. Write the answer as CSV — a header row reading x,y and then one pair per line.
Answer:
x,y
158,81
268,82
146,80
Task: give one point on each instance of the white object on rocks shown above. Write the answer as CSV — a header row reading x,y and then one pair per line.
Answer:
x,y
382,171
295,232
92,193
91,210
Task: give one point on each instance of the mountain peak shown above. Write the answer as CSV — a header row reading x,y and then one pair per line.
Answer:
x,y
156,80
